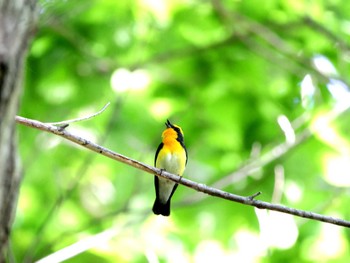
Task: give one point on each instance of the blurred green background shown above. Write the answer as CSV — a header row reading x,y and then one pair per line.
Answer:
x,y
260,90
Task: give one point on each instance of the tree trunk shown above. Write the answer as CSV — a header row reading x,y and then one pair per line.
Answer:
x,y
17,20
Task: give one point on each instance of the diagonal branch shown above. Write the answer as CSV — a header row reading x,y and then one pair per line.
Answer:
x,y
249,200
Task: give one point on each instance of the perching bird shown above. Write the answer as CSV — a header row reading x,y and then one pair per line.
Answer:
x,y
171,156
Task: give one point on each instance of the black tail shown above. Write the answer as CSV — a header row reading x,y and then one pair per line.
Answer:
x,y
160,208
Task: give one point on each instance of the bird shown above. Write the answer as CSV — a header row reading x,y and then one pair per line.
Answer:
x,y
171,156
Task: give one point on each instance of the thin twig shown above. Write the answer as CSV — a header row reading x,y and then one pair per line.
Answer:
x,y
64,124
33,247
191,184
254,195
314,25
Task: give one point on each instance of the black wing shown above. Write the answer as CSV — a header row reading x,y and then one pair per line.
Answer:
x,y
158,150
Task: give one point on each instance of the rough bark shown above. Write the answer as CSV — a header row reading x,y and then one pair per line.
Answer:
x,y
17,20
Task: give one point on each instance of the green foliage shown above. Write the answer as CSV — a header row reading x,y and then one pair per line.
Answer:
x,y
226,71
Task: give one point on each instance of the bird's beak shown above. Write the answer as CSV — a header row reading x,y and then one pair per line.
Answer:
x,y
168,124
